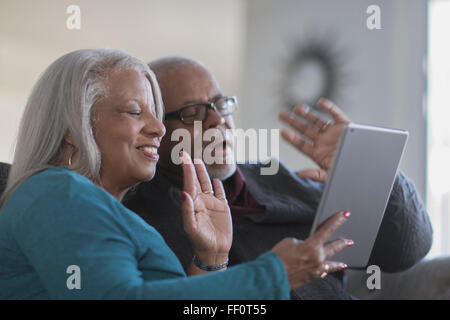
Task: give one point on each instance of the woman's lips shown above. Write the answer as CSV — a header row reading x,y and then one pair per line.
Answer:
x,y
149,152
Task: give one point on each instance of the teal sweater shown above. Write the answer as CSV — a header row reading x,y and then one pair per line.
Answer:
x,y
58,218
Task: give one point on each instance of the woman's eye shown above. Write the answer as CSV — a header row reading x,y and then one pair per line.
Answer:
x,y
135,113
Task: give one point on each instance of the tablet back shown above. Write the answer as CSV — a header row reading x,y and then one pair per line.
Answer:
x,y
360,181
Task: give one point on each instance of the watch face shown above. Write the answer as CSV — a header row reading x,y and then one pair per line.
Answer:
x,y
313,71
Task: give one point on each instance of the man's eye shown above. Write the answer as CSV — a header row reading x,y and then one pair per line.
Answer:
x,y
221,103
190,112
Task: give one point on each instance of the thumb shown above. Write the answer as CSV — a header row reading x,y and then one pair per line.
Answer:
x,y
188,212
319,175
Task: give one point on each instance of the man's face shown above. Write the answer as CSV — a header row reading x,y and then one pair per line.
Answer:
x,y
187,85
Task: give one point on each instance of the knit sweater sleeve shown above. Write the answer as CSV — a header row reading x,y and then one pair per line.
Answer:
x,y
405,234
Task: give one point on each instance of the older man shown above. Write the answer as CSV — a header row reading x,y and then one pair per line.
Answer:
x,y
265,208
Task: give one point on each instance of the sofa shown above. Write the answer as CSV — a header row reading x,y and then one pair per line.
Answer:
x,y
4,170
427,280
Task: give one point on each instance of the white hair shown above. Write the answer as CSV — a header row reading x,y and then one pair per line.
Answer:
x,y
61,103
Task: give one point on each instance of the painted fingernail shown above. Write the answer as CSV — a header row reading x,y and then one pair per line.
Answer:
x,y
183,196
350,243
344,266
347,214
180,153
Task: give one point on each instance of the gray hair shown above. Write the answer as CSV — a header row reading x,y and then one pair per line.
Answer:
x,y
60,103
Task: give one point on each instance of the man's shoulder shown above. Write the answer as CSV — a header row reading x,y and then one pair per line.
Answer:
x,y
255,168
160,192
283,181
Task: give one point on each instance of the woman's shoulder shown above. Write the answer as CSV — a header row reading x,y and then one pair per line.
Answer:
x,y
56,182
62,197
56,188
58,176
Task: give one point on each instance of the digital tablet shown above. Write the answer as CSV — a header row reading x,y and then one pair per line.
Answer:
x,y
361,181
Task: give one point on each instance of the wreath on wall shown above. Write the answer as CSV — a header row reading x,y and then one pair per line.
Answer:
x,y
314,70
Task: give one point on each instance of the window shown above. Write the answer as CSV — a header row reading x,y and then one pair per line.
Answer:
x,y
438,167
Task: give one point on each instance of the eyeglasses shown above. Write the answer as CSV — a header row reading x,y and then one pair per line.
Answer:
x,y
224,106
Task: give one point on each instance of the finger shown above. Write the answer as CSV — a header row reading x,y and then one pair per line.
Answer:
x,y
190,181
318,175
333,266
333,110
298,125
335,246
202,175
298,142
188,213
326,230
219,192
305,112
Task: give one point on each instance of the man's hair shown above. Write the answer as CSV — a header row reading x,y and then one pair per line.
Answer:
x,y
60,103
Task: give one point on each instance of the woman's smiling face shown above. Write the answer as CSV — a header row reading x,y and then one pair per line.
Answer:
x,y
127,131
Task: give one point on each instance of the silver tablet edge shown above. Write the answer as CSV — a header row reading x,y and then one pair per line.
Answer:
x,y
344,132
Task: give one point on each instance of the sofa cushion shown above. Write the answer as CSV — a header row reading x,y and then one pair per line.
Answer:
x,y
4,171
427,280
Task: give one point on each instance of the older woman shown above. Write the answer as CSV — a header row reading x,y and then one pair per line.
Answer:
x,y
90,131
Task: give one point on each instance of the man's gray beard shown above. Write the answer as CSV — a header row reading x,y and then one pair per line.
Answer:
x,y
223,172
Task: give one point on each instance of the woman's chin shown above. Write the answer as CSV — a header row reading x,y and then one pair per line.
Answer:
x,y
148,174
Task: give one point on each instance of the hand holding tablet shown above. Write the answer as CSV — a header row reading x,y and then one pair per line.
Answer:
x,y
360,181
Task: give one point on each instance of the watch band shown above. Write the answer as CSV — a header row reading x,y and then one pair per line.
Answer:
x,y
209,268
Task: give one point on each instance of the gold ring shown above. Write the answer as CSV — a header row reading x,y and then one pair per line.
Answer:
x,y
325,126
207,191
323,275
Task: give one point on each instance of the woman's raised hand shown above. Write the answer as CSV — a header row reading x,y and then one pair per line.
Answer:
x,y
206,215
310,259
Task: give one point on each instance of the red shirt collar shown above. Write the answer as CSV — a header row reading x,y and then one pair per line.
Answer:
x,y
239,186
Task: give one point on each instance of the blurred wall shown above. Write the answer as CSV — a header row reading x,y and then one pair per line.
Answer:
x,y
33,34
382,78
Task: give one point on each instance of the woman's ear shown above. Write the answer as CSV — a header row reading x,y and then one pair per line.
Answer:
x,y
69,140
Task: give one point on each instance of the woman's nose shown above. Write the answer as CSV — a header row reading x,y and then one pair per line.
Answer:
x,y
155,127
